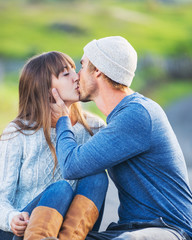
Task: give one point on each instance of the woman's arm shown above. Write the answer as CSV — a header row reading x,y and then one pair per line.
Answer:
x,y
10,164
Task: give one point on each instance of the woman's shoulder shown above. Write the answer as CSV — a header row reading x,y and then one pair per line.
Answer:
x,y
94,121
11,140
13,130
10,129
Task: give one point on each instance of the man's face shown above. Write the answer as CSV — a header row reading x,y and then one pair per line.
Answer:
x,y
88,85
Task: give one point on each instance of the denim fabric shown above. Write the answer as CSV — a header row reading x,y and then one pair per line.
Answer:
x,y
20,181
98,222
94,187
29,208
143,158
60,194
5,235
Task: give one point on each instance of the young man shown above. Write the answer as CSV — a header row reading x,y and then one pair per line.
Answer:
x,y
138,148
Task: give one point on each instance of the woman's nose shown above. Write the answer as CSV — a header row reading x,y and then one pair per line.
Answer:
x,y
76,77
79,73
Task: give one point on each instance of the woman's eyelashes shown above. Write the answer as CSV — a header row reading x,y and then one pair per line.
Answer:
x,y
65,73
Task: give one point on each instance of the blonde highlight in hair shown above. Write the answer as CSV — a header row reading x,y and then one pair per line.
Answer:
x,y
76,114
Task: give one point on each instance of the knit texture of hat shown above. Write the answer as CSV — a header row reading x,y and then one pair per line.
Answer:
x,y
113,56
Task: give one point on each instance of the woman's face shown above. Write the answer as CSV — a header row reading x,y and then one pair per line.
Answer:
x,y
67,84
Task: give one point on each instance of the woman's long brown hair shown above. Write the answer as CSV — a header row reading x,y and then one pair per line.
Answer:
x,y
35,95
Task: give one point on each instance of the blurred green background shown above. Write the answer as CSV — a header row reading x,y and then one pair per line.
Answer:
x,y
160,31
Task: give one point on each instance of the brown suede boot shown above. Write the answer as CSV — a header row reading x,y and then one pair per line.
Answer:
x,y
50,238
44,222
79,220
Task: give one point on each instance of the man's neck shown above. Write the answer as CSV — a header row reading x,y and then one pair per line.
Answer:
x,y
109,98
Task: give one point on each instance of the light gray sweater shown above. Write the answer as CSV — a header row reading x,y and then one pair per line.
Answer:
x,y
26,167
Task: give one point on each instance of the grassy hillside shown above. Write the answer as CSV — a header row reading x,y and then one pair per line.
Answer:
x,y
29,27
164,95
8,104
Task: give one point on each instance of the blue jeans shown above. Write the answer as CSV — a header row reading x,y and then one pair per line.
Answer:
x,y
5,235
59,196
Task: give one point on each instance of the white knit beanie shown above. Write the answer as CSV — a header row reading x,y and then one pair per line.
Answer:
x,y
113,56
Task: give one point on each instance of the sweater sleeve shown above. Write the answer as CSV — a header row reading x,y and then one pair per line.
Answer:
x,y
125,136
10,163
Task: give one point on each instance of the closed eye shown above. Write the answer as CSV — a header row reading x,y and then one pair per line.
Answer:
x,y
65,74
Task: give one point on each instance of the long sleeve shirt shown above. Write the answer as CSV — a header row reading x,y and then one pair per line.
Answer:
x,y
143,158
26,167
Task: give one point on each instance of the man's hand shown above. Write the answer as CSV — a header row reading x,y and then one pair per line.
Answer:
x,y
58,109
19,223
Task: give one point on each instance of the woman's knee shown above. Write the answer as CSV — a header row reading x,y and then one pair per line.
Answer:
x,y
98,181
94,187
102,177
102,180
61,189
59,196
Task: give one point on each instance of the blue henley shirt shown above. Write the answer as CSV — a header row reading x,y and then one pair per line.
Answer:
x,y
143,158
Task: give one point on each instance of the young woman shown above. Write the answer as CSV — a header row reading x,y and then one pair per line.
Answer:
x,y
33,193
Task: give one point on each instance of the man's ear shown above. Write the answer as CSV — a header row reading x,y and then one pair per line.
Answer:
x,y
97,72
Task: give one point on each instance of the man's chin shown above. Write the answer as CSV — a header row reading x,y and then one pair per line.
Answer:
x,y
84,99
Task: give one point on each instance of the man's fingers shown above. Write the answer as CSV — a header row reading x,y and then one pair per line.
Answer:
x,y
55,108
58,109
57,98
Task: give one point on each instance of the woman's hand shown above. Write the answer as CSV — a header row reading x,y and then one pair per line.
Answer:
x,y
19,223
58,109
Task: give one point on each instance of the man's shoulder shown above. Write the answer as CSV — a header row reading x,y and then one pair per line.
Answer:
x,y
134,109
140,103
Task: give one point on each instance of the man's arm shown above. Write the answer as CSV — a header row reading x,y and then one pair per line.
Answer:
x,y
126,136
